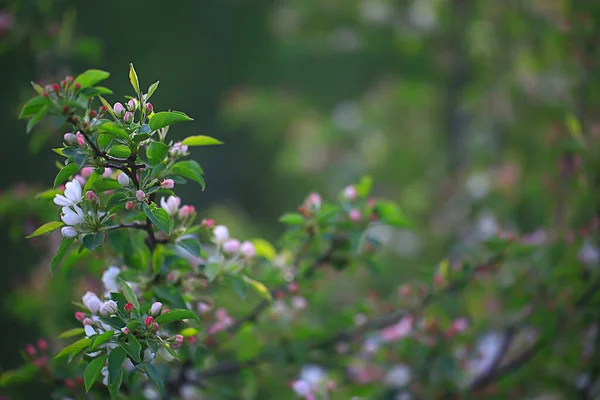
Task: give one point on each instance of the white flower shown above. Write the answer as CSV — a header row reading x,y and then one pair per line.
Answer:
x,y
104,373
398,376
301,388
231,246
123,179
221,234
109,279
171,206
487,350
92,302
165,355
313,375
350,193
155,308
89,330
150,393
248,249
73,195
148,356
189,392
108,308
68,232
72,216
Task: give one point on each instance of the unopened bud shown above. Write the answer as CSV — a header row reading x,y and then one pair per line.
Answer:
x,y
177,341
77,86
30,350
68,232
155,327
128,307
91,196
123,179
42,344
80,139
103,109
66,109
79,316
350,193
186,211
69,383
55,87
354,215
167,184
248,249
119,110
88,322
132,105
149,108
231,246
208,223
93,113
125,331
63,83
130,205
69,138
108,308
128,117
140,195
148,321
69,79
155,308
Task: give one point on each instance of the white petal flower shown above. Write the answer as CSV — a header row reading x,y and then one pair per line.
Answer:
x,y
72,216
301,388
231,246
148,356
171,205
109,279
68,232
92,302
108,308
221,234
73,191
313,375
62,201
89,330
104,373
398,376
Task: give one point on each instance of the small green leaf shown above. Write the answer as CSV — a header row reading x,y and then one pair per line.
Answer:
x,y
133,78
114,129
239,285
91,77
159,217
93,240
74,348
39,90
200,140
47,227
189,169
119,151
36,118
104,184
151,90
129,294
391,214
95,91
65,173
114,386
158,258
264,249
363,188
155,378
60,253
292,219
162,119
175,315
33,106
135,346
92,371
259,287
71,333
211,271
108,106
102,338
191,245
156,152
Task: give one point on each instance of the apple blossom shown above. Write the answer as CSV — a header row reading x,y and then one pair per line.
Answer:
x,y
171,205
186,211
128,307
149,108
128,117
80,138
92,196
221,234
167,184
123,179
92,302
109,279
350,193
148,321
119,110
69,138
148,356
68,232
130,205
354,215
155,308
248,249
73,195
231,246
140,195
178,149
132,104
79,316
109,308
72,216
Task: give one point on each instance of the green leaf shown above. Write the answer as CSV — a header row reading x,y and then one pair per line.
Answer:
x,y
129,294
65,173
191,245
33,106
119,151
157,151
114,129
162,119
363,188
259,287
189,169
93,240
292,219
71,333
108,106
47,227
175,315
115,322
102,338
74,348
95,91
91,77
60,253
264,249
133,348
39,90
104,184
133,78
247,343
211,271
239,285
36,118
159,217
151,90
114,387
155,378
158,258
92,371
391,214
18,376
200,140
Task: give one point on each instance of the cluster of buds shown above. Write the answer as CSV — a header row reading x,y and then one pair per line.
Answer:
x,y
232,246
38,353
178,150
223,321
65,89
312,204
127,113
78,212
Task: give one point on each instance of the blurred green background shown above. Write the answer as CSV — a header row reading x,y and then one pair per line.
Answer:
x,y
453,106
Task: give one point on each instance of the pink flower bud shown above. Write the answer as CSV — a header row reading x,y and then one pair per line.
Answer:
x,y
404,290
69,138
42,344
186,211
178,149
293,287
350,193
167,184
80,139
91,196
149,321
119,110
231,246
128,307
155,327
203,308
86,172
55,87
354,215
140,195
313,201
155,308
79,316
177,341
77,86
40,362
248,249
208,223
132,105
149,108
88,322
30,350
130,205
125,331
165,310
128,117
